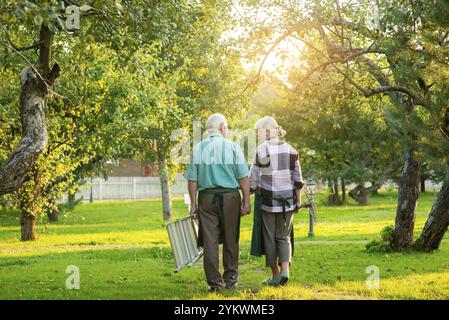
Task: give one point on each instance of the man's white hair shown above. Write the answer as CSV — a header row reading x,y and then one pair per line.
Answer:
x,y
214,122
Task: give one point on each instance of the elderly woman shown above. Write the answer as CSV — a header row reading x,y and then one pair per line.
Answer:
x,y
276,178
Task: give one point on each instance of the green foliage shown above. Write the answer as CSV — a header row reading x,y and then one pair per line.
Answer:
x,y
84,121
387,233
130,77
384,243
186,88
338,133
378,246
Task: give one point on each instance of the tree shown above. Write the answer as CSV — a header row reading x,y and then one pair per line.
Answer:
x,y
109,24
81,131
437,223
400,55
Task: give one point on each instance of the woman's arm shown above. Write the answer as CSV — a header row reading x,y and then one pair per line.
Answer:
x,y
297,180
298,198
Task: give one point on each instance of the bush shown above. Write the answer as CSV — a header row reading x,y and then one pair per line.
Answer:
x,y
387,233
383,244
3,203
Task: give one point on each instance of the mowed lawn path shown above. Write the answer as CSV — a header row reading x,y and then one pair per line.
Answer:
x,y
123,252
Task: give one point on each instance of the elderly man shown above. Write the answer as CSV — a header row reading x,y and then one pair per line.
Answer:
x,y
217,171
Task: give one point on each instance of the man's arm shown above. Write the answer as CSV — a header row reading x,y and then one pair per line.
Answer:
x,y
242,176
193,188
192,182
254,176
246,205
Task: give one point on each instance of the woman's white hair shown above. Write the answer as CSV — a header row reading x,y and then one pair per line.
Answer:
x,y
269,123
214,122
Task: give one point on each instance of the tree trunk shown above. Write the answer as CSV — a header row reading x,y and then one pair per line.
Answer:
x,y
363,198
35,83
343,191
53,215
437,222
52,211
71,197
359,194
423,184
333,199
27,224
336,191
407,200
374,189
165,186
3,203
34,134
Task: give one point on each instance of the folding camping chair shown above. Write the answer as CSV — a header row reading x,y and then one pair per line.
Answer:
x,y
183,236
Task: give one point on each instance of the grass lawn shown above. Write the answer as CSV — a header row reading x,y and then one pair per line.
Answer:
x,y
123,252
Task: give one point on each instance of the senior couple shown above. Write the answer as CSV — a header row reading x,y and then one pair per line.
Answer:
x,y
216,175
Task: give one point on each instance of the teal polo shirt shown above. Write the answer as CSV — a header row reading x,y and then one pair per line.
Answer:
x,y
217,163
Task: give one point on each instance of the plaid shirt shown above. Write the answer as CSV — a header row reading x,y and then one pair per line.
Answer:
x,y
276,173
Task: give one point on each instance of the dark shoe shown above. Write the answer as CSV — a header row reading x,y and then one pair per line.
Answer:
x,y
231,286
282,279
214,289
269,282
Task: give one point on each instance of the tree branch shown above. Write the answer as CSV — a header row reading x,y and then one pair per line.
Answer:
x,y
382,89
380,77
33,46
270,50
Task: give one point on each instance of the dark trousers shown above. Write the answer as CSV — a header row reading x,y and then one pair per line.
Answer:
x,y
219,225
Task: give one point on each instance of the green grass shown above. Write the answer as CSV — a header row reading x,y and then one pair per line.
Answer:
x,y
123,252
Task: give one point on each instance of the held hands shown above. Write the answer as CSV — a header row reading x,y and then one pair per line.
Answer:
x,y
245,208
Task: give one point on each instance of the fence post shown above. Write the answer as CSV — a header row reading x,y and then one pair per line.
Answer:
x,y
134,189
91,199
100,189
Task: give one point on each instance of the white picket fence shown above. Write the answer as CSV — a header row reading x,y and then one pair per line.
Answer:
x,y
133,188
127,188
